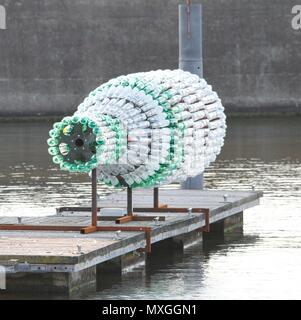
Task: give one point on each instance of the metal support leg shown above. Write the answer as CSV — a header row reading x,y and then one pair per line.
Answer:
x,y
129,216
129,201
94,219
94,197
156,198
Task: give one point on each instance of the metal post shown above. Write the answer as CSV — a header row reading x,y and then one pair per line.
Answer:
x,y
191,57
156,198
94,197
129,201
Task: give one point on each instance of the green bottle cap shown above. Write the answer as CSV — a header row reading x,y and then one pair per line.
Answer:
x,y
58,159
52,142
53,151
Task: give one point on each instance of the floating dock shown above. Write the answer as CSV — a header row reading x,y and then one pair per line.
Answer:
x,y
70,262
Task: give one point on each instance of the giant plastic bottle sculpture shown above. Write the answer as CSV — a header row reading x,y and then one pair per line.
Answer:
x,y
142,130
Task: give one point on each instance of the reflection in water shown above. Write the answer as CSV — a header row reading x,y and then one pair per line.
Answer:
x,y
264,263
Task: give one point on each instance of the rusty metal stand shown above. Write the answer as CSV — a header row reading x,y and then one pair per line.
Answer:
x,y
93,227
156,197
130,216
94,219
130,210
156,200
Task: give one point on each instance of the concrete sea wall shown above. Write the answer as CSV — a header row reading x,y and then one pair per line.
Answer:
x,y
54,52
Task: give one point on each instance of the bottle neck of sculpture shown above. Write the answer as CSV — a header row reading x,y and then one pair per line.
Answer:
x,y
81,143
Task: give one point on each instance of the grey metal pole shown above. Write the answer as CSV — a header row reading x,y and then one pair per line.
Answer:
x,y
191,57
94,198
